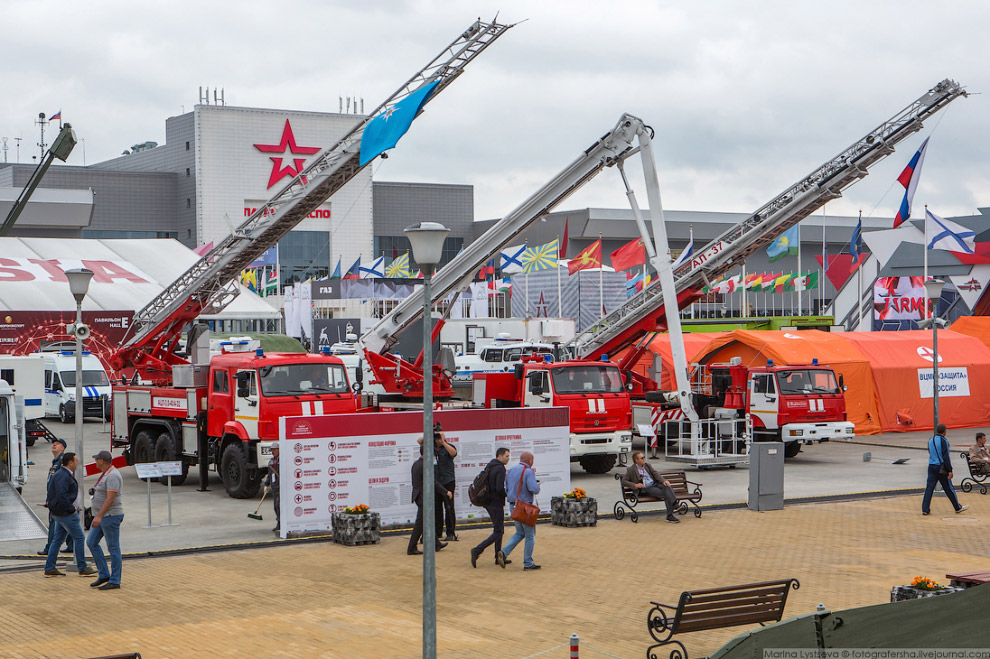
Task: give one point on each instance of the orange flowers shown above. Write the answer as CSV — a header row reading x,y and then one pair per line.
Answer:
x,y
359,509
924,583
576,493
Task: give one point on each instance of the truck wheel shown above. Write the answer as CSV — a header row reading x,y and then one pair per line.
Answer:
x,y
598,464
63,414
234,471
30,441
144,447
791,449
165,452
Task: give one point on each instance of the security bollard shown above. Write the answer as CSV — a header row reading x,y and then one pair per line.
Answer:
x,y
574,646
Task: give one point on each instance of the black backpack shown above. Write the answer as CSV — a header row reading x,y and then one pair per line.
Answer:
x,y
478,492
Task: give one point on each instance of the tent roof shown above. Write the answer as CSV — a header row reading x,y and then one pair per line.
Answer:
x,y
130,273
790,346
976,326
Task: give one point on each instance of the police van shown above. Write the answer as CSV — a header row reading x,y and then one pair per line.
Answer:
x,y
60,386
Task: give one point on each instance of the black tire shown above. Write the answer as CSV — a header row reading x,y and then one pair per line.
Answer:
x,y
791,449
234,472
144,447
165,452
30,441
63,414
598,464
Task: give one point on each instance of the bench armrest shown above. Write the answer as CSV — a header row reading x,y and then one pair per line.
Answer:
x,y
666,606
687,482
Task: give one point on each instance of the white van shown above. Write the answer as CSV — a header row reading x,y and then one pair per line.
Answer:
x,y
500,356
60,386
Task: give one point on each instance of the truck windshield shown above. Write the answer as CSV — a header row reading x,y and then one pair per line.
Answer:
x,y
807,381
289,379
587,379
89,378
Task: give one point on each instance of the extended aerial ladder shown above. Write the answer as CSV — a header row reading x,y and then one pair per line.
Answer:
x,y
400,377
210,285
633,323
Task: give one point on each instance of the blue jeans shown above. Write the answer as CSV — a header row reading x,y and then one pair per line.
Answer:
x,y
527,532
109,528
51,534
934,477
67,525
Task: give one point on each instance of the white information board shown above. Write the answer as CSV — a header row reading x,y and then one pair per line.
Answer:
x,y
331,462
170,468
951,382
148,470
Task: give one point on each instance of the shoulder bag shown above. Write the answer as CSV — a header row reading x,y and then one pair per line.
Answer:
x,y
524,512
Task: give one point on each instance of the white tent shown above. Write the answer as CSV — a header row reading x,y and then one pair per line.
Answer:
x,y
129,273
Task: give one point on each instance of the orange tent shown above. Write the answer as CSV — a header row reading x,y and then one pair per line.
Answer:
x,y
660,345
975,326
902,373
755,347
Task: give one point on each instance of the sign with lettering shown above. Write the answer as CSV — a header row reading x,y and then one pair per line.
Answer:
x,y
951,382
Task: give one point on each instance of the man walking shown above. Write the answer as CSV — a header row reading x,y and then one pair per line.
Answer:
x,y
641,477
62,494
58,448
521,485
939,471
272,482
417,498
106,523
495,506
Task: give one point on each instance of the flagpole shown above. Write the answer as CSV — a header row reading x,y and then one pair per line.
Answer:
x,y
798,291
924,278
821,305
527,295
560,311
859,281
601,284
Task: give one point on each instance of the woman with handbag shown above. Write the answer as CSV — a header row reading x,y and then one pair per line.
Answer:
x,y
939,471
521,488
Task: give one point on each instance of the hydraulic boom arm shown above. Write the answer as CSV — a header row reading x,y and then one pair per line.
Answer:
x,y
209,286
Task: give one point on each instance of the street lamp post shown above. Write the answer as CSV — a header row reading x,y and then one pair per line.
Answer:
x,y
934,289
427,240
79,285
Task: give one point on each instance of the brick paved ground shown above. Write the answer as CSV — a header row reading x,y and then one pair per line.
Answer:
x,y
327,601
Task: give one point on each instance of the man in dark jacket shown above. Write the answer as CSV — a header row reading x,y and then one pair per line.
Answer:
x,y
274,486
495,505
62,493
938,462
641,477
58,448
417,498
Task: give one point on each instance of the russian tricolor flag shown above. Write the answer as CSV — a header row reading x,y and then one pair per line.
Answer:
x,y
56,116
909,179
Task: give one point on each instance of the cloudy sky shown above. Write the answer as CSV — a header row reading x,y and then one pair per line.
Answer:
x,y
745,97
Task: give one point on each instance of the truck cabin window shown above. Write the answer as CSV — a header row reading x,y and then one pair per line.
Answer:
x,y
89,379
587,379
807,381
297,379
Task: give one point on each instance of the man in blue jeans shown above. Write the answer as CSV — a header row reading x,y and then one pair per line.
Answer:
x,y
521,485
58,448
62,494
938,457
106,522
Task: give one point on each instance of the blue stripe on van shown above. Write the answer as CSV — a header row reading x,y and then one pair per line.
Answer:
x,y
30,402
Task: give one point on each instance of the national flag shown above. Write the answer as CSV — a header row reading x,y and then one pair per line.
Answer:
x,y
563,243
399,268
487,270
754,282
590,257
949,236
856,242
271,285
780,283
336,271
636,281
909,179
802,282
354,272
374,271
510,259
541,257
503,285
686,253
386,129
630,255
249,279
785,245
56,116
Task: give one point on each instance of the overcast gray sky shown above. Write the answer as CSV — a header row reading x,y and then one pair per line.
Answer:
x,y
745,97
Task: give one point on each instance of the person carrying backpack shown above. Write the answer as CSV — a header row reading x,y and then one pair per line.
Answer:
x,y
492,497
939,471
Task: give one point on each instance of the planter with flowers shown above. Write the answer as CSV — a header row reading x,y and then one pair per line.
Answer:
x,y
357,526
920,587
575,508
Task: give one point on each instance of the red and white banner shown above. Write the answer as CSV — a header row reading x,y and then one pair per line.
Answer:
x,y
899,298
329,463
24,332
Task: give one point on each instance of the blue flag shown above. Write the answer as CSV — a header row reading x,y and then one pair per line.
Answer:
x,y
785,245
384,131
856,242
336,271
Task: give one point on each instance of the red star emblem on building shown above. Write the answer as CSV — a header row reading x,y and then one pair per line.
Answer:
x,y
288,141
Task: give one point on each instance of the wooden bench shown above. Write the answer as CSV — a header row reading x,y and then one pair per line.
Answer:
x,y
978,473
968,579
678,483
716,608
